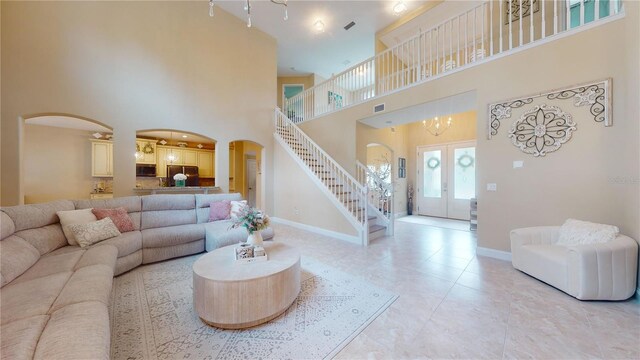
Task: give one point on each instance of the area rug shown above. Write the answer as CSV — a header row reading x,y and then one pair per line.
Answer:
x,y
152,317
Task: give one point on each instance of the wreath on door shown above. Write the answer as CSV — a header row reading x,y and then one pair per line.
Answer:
x,y
433,163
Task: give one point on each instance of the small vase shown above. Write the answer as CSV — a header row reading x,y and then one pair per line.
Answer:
x,y
255,238
180,183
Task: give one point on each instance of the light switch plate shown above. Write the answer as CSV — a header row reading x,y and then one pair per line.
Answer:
x,y
492,187
518,164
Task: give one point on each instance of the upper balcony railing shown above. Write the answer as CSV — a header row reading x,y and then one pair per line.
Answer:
x,y
482,32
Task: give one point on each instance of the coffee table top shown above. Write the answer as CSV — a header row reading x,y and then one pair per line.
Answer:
x,y
220,264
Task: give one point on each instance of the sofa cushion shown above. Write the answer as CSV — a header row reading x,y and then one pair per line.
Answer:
x,y
150,255
162,218
576,232
119,217
94,232
78,331
7,227
219,210
128,262
72,217
16,257
127,243
204,200
19,338
31,298
168,202
45,239
172,235
36,215
132,204
90,283
236,208
52,264
99,255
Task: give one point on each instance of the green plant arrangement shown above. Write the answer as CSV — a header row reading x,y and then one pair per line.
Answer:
x,y
251,219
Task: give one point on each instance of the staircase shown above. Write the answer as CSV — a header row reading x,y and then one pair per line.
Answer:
x,y
343,190
379,207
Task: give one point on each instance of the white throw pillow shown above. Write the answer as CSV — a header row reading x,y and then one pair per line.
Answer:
x,y
236,208
72,217
576,232
93,232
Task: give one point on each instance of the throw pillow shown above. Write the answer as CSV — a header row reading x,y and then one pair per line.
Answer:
x,y
576,232
219,210
236,208
72,217
94,232
119,216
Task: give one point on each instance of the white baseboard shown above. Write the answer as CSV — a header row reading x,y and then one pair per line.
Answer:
x,y
400,214
317,230
492,253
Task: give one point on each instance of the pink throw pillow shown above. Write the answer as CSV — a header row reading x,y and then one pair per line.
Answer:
x,y
119,216
219,210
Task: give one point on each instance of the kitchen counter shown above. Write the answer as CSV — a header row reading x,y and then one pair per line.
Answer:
x,y
180,189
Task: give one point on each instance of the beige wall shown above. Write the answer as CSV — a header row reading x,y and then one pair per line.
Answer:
x,y
307,81
594,177
299,199
133,66
57,164
242,150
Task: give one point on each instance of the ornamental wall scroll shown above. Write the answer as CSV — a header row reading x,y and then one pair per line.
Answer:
x,y
541,130
596,95
513,7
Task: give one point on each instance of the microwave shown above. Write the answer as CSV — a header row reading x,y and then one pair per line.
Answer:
x,y
146,170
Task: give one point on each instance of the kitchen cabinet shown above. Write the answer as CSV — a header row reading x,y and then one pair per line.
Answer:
x,y
101,158
145,151
205,164
173,155
189,157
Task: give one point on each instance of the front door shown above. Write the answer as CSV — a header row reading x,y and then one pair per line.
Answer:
x,y
446,180
431,191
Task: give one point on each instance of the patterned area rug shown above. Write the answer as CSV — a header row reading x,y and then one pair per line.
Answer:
x,y
152,317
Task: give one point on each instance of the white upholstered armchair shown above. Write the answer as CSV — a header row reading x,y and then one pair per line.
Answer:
x,y
604,271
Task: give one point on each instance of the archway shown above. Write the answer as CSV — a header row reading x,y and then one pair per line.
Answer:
x,y
57,157
162,153
246,171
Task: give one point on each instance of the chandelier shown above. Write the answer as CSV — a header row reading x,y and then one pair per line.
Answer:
x,y
247,8
436,126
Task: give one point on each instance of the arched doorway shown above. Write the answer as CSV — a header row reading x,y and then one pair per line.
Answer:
x,y
246,171
160,154
57,157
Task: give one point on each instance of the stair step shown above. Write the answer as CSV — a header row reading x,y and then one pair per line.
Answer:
x,y
374,228
371,218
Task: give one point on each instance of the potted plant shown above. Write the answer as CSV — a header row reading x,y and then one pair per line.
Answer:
x,y
180,179
254,221
409,199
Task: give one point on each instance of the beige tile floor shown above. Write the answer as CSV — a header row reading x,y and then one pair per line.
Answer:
x,y
454,304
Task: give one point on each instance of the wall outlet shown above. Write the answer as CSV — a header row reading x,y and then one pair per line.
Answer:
x,y
492,187
518,164
296,211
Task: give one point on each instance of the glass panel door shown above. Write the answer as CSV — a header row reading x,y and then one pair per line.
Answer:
x,y
432,174
464,175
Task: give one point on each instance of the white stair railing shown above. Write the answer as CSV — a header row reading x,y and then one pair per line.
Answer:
x,y
343,189
480,33
381,197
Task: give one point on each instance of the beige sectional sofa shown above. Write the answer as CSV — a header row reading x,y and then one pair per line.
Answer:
x,y
54,297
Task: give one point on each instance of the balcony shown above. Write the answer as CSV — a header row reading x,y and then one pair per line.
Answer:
x,y
481,33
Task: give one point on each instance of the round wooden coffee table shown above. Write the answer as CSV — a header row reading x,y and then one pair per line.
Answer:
x,y
232,295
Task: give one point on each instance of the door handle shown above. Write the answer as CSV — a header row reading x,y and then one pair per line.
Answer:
x,y
444,187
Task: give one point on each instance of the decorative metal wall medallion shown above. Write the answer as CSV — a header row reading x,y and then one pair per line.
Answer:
x,y
542,129
513,7
596,95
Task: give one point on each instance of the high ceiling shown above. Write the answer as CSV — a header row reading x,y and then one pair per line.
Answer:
x,y
301,49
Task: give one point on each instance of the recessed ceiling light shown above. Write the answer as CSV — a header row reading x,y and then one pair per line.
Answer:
x,y
318,26
399,8
184,136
